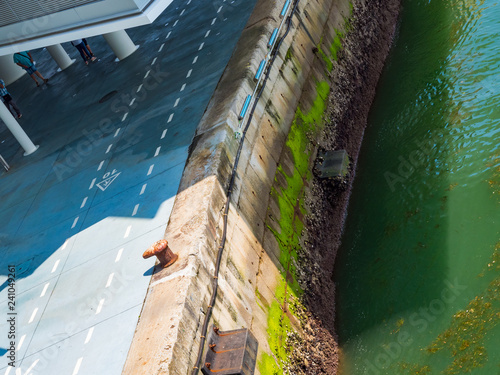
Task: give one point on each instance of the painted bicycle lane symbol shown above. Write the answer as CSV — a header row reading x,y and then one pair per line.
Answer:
x,y
108,179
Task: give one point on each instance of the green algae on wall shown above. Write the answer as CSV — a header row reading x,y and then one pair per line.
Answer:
x,y
326,59
336,45
290,200
267,365
289,55
279,325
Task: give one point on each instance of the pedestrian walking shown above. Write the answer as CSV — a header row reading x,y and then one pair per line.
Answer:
x,y
25,61
84,52
8,101
88,47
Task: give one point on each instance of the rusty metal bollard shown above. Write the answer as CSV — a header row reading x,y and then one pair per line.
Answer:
x,y
161,250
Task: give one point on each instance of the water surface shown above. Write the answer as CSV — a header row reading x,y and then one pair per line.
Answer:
x,y
418,271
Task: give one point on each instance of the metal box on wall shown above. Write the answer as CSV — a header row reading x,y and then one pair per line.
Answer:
x,y
333,164
231,353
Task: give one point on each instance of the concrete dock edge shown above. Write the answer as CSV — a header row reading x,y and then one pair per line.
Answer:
x,y
168,332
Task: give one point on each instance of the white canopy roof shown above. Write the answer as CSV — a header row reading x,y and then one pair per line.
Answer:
x,y
31,24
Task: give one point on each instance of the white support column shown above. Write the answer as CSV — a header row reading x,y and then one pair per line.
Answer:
x,y
120,43
16,130
9,71
60,56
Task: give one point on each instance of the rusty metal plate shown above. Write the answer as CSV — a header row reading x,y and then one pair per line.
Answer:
x,y
231,353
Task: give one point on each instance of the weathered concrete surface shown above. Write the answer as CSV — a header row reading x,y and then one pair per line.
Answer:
x,y
168,333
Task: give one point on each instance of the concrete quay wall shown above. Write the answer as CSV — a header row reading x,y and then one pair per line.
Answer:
x,y
257,283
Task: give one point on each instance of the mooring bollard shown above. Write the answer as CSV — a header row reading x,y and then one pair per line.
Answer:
x,y
161,250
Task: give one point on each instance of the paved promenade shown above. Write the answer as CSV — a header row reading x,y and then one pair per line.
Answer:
x,y
77,215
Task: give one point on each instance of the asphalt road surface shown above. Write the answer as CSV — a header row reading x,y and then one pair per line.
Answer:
x,y
77,215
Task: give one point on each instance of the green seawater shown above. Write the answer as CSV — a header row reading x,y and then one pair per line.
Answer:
x,y
418,271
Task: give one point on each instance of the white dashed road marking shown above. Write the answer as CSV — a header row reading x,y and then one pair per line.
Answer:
x,y
31,367
147,74
168,35
170,117
201,46
157,151
164,134
139,88
175,23
119,255
92,184
195,59
218,11
116,132
161,47
213,21
89,335
99,308
56,264
183,87
207,34
143,189
84,200
189,73
74,222
136,208
21,343
154,60
111,145
44,289
132,102
124,116
33,314
100,165
77,366
110,279
177,102
127,232
151,169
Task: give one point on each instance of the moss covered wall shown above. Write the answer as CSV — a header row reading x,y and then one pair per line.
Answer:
x,y
286,211
266,219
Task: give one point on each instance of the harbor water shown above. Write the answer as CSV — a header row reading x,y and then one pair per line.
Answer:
x,y
418,271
